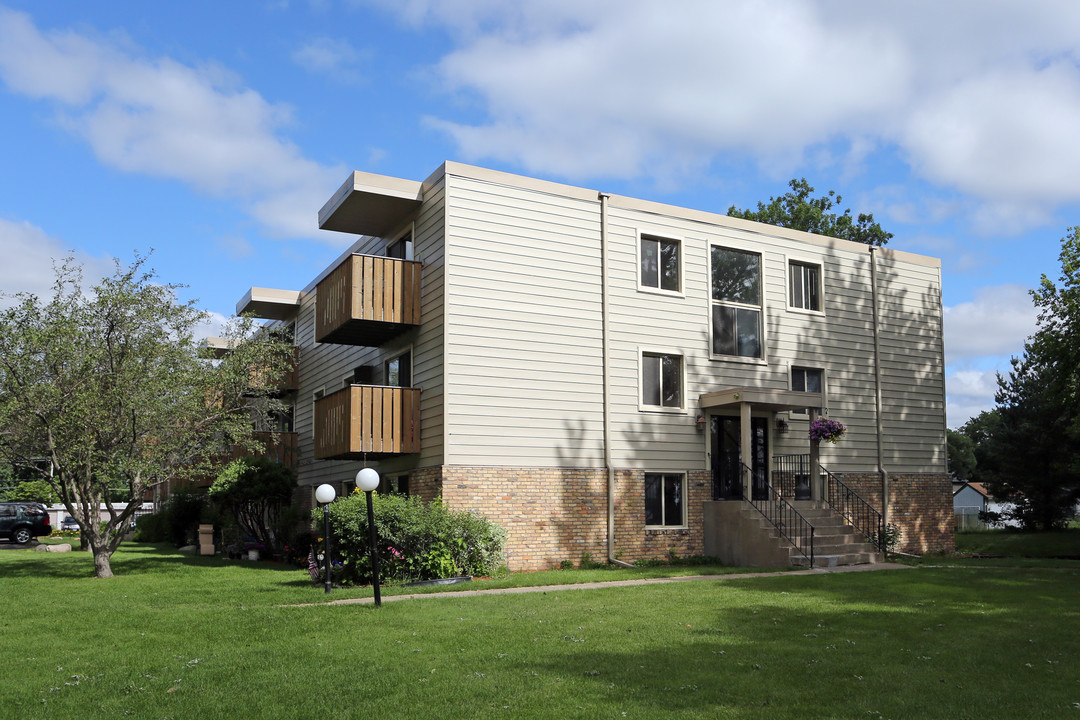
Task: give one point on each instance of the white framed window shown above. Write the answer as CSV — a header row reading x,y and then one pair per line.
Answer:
x,y
665,499
736,300
397,370
805,379
660,264
662,381
804,285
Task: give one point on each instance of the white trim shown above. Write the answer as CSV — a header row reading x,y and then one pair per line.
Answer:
x,y
642,407
801,259
685,499
659,236
761,309
805,416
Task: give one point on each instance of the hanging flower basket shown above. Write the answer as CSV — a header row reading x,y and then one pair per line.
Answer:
x,y
828,430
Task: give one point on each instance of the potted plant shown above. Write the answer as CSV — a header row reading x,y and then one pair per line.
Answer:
x,y
828,430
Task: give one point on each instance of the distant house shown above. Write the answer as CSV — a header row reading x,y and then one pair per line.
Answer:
x,y
606,375
969,499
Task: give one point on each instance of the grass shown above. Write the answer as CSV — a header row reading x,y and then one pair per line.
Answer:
x,y
182,637
1013,543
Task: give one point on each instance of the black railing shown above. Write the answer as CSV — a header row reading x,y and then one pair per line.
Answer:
x,y
783,516
860,514
791,476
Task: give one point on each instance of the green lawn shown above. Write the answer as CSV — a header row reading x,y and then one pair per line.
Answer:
x,y
1012,543
182,637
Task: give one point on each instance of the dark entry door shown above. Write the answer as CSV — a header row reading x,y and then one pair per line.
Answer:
x,y
727,457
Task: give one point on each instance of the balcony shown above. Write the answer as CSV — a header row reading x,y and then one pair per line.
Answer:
x,y
367,300
277,447
288,381
367,420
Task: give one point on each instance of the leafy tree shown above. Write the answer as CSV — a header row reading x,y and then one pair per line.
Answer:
x,y
110,387
799,211
35,491
255,490
1032,454
961,451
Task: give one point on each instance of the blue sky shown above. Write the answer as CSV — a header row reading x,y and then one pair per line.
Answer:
x,y
213,132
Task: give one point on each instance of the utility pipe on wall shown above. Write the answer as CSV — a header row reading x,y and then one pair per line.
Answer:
x,y
606,354
877,391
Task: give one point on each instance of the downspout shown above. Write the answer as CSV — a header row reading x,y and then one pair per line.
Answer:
x,y
605,354
877,392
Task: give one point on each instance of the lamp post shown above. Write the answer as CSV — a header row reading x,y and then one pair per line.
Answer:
x,y
324,495
367,480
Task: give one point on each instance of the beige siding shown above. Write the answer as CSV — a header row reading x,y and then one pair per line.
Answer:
x,y
524,379
523,385
326,365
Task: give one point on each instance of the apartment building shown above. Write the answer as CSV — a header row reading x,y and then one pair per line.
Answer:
x,y
613,376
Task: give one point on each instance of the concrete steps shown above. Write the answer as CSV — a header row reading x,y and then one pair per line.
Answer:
x,y
835,541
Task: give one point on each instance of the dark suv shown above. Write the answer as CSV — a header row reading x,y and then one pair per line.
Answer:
x,y
23,521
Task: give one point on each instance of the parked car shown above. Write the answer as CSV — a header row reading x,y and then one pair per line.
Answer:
x,y
69,524
23,521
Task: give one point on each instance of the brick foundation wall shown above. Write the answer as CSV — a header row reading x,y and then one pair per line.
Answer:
x,y
920,504
557,514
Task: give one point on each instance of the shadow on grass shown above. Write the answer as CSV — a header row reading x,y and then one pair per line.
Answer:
x,y
845,649
132,559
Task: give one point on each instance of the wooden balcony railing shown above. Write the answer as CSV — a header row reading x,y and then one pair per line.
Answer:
x,y
367,420
278,447
367,300
289,381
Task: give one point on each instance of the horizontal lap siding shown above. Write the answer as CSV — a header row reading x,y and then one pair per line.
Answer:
x,y
840,341
525,383
912,366
326,364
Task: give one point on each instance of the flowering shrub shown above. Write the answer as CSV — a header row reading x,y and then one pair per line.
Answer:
x,y
417,540
828,430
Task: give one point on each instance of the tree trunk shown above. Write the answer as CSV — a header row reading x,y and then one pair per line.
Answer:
x,y
102,567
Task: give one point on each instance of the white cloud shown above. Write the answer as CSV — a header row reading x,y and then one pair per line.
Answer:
x,y
160,118
29,255
636,88
995,323
336,58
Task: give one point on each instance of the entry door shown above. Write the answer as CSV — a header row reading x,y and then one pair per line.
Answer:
x,y
727,457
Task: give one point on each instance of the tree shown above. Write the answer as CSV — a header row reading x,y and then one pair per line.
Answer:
x,y
1031,456
35,491
254,490
799,211
111,388
961,451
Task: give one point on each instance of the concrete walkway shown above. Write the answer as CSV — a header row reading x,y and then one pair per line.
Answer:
x,y
617,583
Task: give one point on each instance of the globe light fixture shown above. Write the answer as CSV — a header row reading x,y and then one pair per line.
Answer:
x,y
368,480
324,495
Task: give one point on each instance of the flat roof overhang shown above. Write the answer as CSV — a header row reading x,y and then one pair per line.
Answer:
x,y
270,304
761,399
217,347
368,204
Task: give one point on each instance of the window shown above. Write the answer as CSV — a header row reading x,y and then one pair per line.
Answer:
x,y
401,248
399,370
806,380
394,485
664,500
805,282
661,380
736,303
660,264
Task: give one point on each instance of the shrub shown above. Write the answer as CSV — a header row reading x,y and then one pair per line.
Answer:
x,y
177,522
256,492
416,540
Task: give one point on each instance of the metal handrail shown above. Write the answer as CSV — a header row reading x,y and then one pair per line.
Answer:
x,y
858,512
783,516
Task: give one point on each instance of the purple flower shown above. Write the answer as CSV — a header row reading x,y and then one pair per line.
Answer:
x,y
828,430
